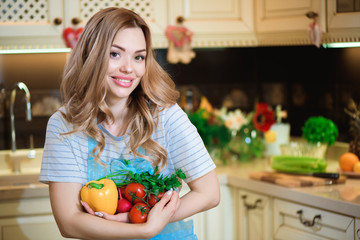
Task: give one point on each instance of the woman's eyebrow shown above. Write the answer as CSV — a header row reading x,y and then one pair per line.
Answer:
x,y
123,49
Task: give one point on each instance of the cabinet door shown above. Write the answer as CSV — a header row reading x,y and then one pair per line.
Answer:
x,y
33,20
254,220
296,221
154,12
287,15
216,223
32,227
344,20
216,23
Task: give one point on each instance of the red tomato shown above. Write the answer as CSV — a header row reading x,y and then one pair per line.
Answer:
x,y
152,200
139,212
135,193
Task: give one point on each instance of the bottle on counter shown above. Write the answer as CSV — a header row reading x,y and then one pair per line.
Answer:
x,y
282,131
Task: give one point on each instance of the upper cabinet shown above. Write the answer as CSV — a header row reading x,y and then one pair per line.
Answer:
x,y
31,24
226,23
343,21
283,22
217,23
40,23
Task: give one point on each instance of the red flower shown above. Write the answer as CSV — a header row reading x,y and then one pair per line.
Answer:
x,y
264,117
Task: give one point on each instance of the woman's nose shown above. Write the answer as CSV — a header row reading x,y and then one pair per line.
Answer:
x,y
126,65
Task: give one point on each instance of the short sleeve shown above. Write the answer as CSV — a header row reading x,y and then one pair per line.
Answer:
x,y
63,160
186,149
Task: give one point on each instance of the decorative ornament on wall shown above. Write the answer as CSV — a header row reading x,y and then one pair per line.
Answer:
x,y
314,29
71,35
179,43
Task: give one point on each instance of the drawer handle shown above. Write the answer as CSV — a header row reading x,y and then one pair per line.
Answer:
x,y
308,223
251,206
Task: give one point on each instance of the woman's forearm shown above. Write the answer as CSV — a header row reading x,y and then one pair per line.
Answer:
x,y
204,195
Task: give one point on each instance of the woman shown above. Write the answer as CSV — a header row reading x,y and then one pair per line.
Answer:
x,y
120,104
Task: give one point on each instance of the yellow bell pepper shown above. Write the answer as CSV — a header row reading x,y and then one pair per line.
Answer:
x,y
102,195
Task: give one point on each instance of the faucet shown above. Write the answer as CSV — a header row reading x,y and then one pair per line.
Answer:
x,y
21,86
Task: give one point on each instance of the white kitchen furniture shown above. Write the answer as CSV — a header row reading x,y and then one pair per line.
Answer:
x,y
226,23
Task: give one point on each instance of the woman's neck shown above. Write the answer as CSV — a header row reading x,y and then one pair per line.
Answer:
x,y
119,111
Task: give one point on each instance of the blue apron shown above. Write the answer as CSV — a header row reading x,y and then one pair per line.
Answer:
x,y
176,230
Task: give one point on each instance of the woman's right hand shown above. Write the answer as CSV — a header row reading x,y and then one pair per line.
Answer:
x,y
120,217
163,211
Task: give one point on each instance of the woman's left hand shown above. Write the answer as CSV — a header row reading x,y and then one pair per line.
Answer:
x,y
120,217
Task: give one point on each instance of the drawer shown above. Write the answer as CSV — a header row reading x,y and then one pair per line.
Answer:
x,y
297,221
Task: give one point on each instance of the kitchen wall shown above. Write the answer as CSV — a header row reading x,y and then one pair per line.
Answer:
x,y
305,80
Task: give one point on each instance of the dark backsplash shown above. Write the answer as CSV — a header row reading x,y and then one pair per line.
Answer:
x,y
306,81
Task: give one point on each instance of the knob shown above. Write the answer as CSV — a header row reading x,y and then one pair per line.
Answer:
x,y
251,206
57,21
308,223
75,21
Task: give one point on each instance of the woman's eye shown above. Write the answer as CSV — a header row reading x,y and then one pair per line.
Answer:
x,y
114,54
139,58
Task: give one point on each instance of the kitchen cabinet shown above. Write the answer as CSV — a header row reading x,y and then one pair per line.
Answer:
x,y
217,223
255,220
341,20
39,24
31,24
297,221
283,22
216,23
226,23
341,26
30,218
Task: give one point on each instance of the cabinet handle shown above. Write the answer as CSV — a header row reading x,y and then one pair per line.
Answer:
x,y
57,21
251,206
358,233
75,21
308,223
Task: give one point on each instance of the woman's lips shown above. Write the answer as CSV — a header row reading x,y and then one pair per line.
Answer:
x,y
123,81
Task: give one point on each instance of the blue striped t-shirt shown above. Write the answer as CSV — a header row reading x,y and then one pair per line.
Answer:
x,y
65,156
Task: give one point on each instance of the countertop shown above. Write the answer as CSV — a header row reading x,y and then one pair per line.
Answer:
x,y
339,198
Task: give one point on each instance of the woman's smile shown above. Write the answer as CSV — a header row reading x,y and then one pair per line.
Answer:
x,y
123,81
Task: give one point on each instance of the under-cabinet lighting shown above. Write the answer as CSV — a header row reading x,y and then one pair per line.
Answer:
x,y
40,50
341,45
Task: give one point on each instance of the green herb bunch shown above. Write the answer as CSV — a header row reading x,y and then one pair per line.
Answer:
x,y
155,182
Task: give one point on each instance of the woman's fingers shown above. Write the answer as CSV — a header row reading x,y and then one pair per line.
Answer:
x,y
120,217
87,208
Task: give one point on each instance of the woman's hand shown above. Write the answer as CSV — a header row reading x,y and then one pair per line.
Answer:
x,y
120,217
163,211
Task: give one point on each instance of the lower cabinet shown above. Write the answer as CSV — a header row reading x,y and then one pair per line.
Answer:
x,y
217,223
249,215
296,221
27,219
254,216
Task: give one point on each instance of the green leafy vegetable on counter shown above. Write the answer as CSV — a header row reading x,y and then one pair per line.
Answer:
x,y
295,164
320,129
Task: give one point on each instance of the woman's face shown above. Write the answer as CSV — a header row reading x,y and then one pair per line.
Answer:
x,y
126,64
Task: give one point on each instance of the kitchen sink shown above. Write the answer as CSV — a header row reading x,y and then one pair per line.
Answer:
x,y
20,168
19,174
22,161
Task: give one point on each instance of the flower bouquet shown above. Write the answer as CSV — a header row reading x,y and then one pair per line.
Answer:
x,y
233,135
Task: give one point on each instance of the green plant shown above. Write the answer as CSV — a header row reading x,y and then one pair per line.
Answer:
x,y
320,129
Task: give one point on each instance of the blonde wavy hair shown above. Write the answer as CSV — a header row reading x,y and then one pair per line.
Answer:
x,y
84,88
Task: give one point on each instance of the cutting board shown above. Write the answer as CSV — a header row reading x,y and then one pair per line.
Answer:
x,y
289,180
